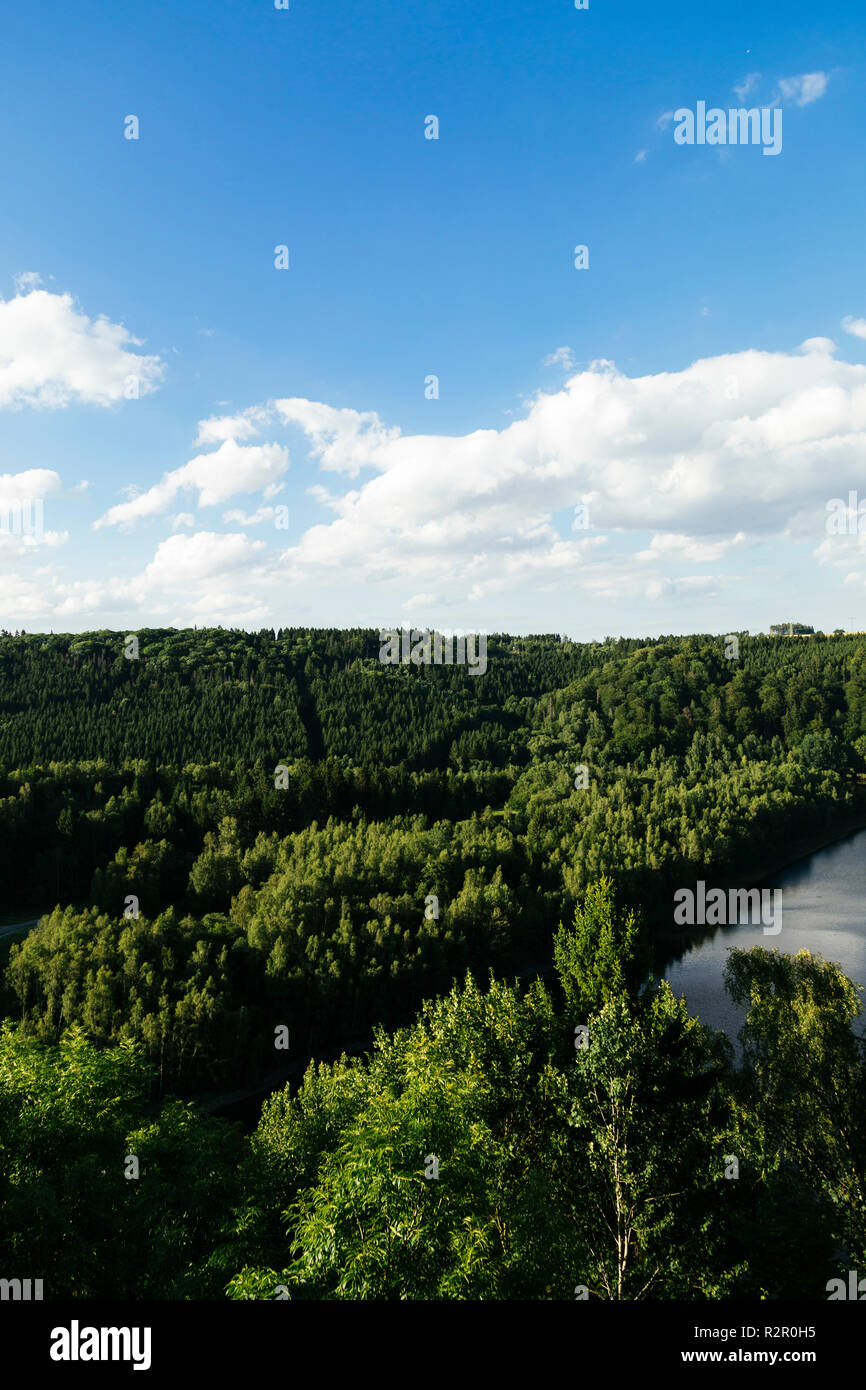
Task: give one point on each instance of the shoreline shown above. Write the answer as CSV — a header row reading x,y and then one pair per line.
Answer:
x,y
803,848
806,846
668,947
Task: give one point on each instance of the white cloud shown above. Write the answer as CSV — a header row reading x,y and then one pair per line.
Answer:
x,y
679,471
182,519
840,552
207,577
640,157
820,345
677,454
806,88
52,355
182,561
344,441
218,428
27,280
230,469
747,85
16,543
674,546
560,357
255,518
420,600
23,514
857,327
33,483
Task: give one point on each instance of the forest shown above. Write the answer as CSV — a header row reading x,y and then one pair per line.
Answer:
x,y
440,900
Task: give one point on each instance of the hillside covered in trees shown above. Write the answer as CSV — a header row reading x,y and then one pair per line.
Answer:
x,y
234,837
235,831
495,1149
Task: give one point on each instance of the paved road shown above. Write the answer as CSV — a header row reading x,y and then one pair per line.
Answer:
x,y
16,926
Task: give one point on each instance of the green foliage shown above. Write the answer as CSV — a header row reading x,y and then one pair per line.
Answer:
x,y
647,1107
804,1079
463,1086
555,1167
605,1166
305,906
596,958
69,1117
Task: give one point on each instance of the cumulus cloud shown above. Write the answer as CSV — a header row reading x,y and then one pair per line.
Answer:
x,y
15,542
730,449
208,577
230,469
684,474
806,88
218,428
182,561
344,441
27,280
23,513
857,327
53,355
32,483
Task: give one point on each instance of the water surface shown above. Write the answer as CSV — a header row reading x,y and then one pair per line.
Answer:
x,y
823,911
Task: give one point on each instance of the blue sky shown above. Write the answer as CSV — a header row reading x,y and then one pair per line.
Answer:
x,y
705,485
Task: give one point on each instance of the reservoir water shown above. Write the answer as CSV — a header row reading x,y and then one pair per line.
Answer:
x,y
823,911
